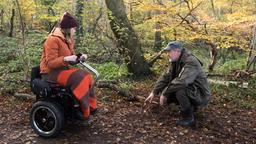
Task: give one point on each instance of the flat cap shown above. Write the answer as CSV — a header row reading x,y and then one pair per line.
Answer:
x,y
173,45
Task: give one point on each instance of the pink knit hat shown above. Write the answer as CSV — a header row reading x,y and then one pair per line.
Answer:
x,y
68,21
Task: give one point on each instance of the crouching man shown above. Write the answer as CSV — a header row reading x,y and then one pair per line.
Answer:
x,y
185,83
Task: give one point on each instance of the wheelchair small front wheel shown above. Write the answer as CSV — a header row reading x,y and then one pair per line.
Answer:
x,y
47,118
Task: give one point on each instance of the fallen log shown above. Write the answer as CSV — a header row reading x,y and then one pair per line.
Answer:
x,y
100,84
119,91
24,96
229,83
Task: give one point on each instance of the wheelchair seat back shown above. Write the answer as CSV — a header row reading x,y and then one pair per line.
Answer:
x,y
39,87
35,73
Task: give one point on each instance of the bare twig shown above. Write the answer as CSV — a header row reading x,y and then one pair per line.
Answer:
x,y
155,58
184,19
189,13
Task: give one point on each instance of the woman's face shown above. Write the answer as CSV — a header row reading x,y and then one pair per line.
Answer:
x,y
69,32
72,31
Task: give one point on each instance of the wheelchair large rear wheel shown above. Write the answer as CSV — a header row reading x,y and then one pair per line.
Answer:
x,y
47,118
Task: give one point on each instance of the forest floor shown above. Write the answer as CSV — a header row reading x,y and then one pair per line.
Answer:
x,y
125,122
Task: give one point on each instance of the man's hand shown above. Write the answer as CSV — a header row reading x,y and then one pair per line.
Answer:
x,y
150,97
70,59
162,100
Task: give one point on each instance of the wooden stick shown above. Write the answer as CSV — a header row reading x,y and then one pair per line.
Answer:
x,y
24,96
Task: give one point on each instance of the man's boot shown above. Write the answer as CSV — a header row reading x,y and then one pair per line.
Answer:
x,y
188,119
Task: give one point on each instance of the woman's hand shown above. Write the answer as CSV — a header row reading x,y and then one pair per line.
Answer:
x,y
83,57
70,59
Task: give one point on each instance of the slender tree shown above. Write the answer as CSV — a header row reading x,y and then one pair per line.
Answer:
x,y
213,7
12,23
25,60
252,58
79,16
158,39
2,19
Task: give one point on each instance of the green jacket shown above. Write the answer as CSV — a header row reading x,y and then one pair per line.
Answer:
x,y
187,73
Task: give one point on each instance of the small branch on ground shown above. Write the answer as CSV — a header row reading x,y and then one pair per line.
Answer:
x,y
108,81
242,74
219,75
141,98
23,96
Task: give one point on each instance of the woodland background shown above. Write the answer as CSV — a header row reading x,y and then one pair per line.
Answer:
x,y
124,40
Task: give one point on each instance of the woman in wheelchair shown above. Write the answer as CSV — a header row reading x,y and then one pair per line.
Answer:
x,y
58,53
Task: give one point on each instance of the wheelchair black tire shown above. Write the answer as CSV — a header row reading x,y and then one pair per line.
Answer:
x,y
52,120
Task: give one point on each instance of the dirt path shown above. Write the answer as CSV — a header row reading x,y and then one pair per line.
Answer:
x,y
124,123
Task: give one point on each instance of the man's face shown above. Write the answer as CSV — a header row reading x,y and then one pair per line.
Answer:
x,y
174,54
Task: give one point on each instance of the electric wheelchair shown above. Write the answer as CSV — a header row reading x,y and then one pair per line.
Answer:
x,y
54,105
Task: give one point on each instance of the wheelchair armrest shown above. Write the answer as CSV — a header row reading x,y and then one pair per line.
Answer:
x,y
53,84
56,88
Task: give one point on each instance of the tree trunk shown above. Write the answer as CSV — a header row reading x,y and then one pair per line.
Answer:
x,y
79,17
93,29
213,8
25,60
131,13
12,23
2,19
158,39
251,57
213,53
231,7
126,37
175,34
51,24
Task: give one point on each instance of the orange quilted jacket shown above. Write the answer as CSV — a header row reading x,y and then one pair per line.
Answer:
x,y
55,48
